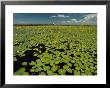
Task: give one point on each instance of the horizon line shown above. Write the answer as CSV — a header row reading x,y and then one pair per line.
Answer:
x,y
50,24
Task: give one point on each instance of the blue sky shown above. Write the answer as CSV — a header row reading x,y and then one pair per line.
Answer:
x,y
56,18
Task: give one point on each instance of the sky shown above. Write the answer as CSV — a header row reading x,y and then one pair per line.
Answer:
x,y
55,18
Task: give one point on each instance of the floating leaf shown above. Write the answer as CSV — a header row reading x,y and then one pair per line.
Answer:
x,y
24,63
32,70
49,72
32,63
46,68
42,73
54,68
76,72
69,70
61,71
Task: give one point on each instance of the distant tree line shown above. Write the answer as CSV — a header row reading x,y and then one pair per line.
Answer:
x,y
47,25
31,24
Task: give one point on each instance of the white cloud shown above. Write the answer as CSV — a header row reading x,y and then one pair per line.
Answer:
x,y
68,21
87,19
60,16
72,21
90,19
63,16
75,20
90,16
53,16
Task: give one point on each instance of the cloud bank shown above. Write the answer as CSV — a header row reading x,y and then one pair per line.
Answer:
x,y
60,16
89,19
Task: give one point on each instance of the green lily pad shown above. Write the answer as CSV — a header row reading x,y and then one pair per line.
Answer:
x,y
76,72
61,71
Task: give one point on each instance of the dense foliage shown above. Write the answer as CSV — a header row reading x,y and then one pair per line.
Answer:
x,y
55,50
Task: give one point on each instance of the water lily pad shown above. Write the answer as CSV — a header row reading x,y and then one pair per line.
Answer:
x,y
76,72
61,71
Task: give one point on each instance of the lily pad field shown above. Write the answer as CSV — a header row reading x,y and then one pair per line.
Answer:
x,y
55,50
